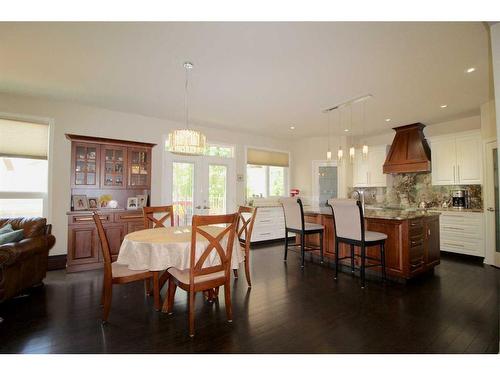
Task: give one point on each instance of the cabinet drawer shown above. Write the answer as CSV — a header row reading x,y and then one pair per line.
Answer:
x,y
88,219
129,216
462,246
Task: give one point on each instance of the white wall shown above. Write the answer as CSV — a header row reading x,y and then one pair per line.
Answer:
x,y
85,120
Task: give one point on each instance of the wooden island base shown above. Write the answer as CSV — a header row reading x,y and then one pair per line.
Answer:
x,y
412,246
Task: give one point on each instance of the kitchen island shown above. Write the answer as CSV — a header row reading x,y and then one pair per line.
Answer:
x,y
412,246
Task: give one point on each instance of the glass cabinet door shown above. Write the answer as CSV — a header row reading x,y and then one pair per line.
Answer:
x,y
85,165
139,165
114,161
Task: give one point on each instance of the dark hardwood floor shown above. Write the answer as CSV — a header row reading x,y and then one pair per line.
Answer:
x,y
286,311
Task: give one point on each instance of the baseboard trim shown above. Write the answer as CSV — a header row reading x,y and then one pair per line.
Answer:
x,y
56,262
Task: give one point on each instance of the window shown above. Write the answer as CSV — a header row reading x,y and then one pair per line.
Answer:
x,y
266,181
23,168
220,151
267,173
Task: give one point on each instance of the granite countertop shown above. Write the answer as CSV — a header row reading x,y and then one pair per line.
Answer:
x,y
379,213
452,209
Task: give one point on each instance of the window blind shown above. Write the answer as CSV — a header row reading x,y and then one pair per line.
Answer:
x,y
264,157
19,139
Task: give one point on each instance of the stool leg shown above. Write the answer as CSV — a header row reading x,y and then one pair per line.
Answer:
x,y
302,249
352,258
336,258
321,246
363,259
382,258
286,245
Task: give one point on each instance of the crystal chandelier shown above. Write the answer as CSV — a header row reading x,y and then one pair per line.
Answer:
x,y
186,141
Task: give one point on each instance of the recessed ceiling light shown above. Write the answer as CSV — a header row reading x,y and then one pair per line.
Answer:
x,y
387,119
292,127
471,69
346,130
444,105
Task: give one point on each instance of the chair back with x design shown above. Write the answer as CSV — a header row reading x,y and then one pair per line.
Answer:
x,y
246,219
150,221
216,243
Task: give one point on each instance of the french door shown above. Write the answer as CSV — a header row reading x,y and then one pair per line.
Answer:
x,y
200,185
492,205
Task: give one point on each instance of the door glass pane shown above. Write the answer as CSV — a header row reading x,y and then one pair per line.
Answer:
x,y
183,192
327,184
217,186
276,181
256,181
497,211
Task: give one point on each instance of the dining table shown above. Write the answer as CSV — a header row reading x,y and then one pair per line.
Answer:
x,y
158,249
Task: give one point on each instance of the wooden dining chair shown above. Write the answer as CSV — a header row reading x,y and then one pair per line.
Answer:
x,y
244,229
114,273
150,221
199,277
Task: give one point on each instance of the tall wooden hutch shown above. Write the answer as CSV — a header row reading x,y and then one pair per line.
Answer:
x,y
102,166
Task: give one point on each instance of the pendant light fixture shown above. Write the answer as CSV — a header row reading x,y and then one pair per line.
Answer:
x,y
365,146
352,150
340,151
187,141
328,151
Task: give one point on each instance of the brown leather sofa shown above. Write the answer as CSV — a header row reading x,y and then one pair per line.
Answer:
x,y
23,264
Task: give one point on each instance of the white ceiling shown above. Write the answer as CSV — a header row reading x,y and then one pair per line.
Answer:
x,y
256,77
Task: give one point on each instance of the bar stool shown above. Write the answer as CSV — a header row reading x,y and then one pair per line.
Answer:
x,y
349,224
294,222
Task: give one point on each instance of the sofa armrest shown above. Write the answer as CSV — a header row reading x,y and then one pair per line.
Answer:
x,y
17,251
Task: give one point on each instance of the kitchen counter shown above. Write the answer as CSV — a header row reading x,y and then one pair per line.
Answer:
x,y
378,213
412,246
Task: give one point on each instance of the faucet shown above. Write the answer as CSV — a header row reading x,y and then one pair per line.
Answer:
x,y
360,197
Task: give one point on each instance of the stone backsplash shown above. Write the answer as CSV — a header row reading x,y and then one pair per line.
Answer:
x,y
410,189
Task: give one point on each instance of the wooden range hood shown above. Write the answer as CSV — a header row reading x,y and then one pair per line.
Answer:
x,y
410,152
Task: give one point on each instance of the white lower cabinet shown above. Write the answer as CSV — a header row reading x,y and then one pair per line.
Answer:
x,y
462,232
269,224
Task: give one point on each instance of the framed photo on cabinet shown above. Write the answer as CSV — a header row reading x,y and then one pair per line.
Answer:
x,y
80,202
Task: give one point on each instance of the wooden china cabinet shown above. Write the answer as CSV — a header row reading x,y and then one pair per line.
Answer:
x,y
102,166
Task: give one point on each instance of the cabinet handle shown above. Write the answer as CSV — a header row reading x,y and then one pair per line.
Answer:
x,y
454,179
80,219
131,217
452,244
453,228
458,173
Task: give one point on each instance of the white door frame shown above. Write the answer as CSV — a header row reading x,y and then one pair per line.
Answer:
x,y
200,174
491,256
315,178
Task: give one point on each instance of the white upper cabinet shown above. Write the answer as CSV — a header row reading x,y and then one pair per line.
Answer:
x,y
469,160
457,159
443,159
369,172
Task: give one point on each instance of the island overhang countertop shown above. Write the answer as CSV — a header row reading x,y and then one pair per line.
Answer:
x,y
388,214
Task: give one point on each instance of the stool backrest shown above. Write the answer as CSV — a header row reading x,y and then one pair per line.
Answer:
x,y
294,212
347,218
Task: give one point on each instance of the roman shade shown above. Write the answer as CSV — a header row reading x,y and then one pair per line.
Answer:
x,y
265,157
19,139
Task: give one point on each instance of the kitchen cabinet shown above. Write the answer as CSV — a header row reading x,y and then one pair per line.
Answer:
x,y
269,224
457,159
462,232
369,172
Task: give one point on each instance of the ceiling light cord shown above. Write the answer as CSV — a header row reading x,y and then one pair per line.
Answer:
x,y
186,102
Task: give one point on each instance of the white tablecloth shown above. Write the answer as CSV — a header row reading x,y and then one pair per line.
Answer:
x,y
161,248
